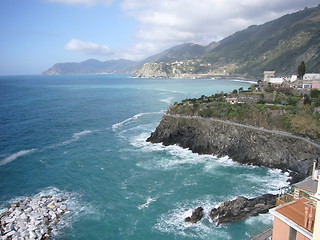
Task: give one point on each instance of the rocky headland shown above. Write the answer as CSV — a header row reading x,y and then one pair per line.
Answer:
x,y
32,218
245,145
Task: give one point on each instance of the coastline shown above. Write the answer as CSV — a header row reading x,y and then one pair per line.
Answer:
x,y
243,145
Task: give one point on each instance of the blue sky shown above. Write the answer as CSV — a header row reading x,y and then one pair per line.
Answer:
x,y
35,34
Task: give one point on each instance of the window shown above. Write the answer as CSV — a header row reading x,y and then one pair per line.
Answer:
x,y
292,234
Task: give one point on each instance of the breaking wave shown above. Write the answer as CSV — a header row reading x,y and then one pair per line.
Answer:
x,y
173,220
128,120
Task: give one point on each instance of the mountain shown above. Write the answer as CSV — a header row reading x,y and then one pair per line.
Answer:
x,y
181,52
92,66
279,45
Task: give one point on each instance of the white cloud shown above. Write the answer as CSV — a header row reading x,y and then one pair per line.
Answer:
x,y
165,23
88,3
88,48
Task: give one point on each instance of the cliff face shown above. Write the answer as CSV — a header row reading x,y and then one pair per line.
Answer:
x,y
152,70
243,145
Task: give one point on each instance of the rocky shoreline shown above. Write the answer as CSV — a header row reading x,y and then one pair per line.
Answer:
x,y
236,209
243,145
242,207
32,218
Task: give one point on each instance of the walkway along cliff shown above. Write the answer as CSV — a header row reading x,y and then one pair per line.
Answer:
x,y
244,144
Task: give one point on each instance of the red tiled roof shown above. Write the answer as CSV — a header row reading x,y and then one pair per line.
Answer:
x,y
296,212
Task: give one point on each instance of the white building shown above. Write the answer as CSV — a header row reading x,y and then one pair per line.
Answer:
x,y
293,78
311,76
276,81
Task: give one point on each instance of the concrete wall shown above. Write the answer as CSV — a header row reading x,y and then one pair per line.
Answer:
x,y
301,237
316,85
280,230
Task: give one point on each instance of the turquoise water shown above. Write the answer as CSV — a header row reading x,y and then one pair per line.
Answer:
x,y
83,137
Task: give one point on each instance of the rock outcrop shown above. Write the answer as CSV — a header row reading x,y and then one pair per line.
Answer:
x,y
244,145
241,208
152,70
196,216
32,218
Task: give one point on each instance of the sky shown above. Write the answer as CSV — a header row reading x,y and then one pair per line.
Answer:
x,y
36,34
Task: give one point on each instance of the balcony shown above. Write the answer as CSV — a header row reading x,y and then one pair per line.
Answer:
x,y
299,205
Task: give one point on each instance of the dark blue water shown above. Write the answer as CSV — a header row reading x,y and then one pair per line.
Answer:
x,y
83,137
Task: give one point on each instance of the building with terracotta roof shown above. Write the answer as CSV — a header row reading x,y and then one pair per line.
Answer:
x,y
296,216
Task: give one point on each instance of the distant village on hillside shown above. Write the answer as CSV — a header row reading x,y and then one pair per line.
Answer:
x,y
308,80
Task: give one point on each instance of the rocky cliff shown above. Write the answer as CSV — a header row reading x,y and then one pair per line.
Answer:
x,y
152,70
244,145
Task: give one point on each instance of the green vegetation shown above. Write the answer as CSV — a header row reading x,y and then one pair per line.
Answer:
x,y
301,70
279,109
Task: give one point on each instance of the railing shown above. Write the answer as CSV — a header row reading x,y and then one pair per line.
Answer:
x,y
292,193
284,199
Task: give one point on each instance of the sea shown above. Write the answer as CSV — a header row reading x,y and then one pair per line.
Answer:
x,y
84,138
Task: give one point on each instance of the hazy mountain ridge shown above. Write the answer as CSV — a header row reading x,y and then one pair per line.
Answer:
x,y
92,66
181,52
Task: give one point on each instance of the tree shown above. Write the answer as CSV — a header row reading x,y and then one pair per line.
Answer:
x,y
301,70
307,99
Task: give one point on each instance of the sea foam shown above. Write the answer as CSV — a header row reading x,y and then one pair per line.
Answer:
x,y
75,137
15,156
167,100
175,157
147,203
128,120
173,220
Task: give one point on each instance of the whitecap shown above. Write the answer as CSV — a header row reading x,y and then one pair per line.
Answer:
x,y
15,156
173,220
79,134
126,121
147,203
167,100
75,137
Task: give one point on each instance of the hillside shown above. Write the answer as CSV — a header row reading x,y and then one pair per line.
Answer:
x,y
186,51
278,45
92,66
274,109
